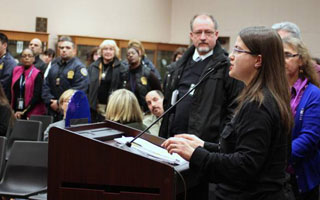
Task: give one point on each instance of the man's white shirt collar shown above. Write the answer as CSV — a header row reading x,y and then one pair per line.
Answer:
x,y
197,57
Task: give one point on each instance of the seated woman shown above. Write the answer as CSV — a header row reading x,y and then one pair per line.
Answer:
x,y
26,88
63,104
123,107
305,105
6,117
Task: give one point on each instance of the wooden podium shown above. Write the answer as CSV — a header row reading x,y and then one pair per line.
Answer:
x,y
85,163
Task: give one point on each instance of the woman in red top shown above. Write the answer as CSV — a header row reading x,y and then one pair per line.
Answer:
x,y
26,88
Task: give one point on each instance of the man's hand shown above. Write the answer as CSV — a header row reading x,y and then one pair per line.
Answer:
x,y
54,105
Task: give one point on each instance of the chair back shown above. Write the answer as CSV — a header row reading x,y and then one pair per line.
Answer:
x,y
29,130
26,170
45,119
3,144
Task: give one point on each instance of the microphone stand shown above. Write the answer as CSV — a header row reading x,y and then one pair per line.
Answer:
x,y
170,108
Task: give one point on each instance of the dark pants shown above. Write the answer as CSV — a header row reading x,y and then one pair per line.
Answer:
x,y
309,195
56,116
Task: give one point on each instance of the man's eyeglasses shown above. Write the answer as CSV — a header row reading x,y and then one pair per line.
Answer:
x,y
206,33
238,51
290,55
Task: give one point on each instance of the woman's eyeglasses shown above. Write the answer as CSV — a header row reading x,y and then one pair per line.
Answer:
x,y
238,51
290,55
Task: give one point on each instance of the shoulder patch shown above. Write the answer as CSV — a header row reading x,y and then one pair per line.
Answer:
x,y
84,71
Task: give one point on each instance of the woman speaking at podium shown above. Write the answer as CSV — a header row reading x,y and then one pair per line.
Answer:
x,y
250,160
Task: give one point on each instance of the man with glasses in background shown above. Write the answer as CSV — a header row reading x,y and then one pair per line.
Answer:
x,y
206,110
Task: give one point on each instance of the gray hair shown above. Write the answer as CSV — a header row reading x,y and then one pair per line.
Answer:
x,y
208,15
110,43
289,27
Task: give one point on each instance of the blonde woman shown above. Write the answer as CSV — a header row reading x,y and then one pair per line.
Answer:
x,y
106,75
123,107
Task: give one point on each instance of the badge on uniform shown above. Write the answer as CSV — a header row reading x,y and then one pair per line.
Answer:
x,y
144,80
57,81
1,66
70,74
84,71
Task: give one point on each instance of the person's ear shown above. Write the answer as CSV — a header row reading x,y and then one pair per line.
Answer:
x,y
258,63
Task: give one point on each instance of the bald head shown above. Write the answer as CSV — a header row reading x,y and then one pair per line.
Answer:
x,y
36,46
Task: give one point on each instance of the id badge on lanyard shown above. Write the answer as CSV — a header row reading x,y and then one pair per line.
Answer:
x,y
20,100
20,103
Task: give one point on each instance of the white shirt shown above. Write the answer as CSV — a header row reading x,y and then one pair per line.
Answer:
x,y
197,57
148,120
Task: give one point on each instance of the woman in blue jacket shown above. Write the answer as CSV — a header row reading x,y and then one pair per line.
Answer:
x,y
305,105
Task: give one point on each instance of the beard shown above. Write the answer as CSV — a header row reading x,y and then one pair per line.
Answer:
x,y
203,50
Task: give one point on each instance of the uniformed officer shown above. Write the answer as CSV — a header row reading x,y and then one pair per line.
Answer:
x,y
7,63
140,79
66,72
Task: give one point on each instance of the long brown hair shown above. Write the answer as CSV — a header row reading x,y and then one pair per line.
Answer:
x,y
271,75
307,69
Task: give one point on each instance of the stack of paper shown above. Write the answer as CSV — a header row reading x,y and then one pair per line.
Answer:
x,y
153,151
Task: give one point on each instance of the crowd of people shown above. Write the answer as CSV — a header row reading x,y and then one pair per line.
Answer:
x,y
249,121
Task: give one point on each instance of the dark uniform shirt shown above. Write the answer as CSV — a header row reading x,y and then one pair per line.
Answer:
x,y
140,81
7,63
63,76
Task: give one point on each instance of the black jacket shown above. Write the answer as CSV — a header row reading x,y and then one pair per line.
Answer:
x,y
40,65
72,74
253,154
118,80
7,63
213,101
145,81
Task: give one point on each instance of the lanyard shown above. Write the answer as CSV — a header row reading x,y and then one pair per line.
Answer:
x,y
23,82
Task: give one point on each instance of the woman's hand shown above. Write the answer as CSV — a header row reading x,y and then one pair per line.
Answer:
x,y
18,114
179,145
194,141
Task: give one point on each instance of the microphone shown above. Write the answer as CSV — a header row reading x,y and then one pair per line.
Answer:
x,y
210,70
